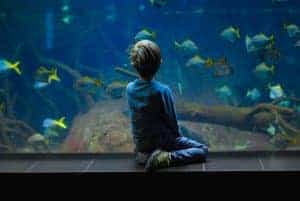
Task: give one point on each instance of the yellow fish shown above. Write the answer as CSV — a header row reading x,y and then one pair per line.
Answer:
x,y
7,65
90,80
53,76
48,123
43,70
264,71
61,123
209,62
97,82
198,61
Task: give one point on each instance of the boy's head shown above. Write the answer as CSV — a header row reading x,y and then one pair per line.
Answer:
x,y
146,58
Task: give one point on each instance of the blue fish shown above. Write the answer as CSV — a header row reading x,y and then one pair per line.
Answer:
x,y
7,65
40,85
47,123
60,123
253,94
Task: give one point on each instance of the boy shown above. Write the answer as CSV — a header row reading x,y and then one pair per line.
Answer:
x,y
158,143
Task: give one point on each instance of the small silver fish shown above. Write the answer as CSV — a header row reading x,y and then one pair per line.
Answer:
x,y
264,71
224,91
198,62
187,47
158,3
276,91
145,34
231,34
258,42
253,94
292,29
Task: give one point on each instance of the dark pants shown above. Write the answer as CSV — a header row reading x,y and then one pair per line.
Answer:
x,y
183,151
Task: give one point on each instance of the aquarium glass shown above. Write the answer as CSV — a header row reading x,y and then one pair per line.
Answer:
x,y
233,68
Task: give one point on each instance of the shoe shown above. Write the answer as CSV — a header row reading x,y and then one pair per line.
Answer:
x,y
158,160
141,158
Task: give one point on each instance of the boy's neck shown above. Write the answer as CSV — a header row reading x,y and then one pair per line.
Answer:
x,y
146,79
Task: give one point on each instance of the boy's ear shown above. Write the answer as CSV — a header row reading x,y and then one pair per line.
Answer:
x,y
161,61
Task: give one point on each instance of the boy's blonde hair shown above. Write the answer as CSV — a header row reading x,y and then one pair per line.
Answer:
x,y
145,56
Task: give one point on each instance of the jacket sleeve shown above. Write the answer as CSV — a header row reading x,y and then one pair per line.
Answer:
x,y
169,109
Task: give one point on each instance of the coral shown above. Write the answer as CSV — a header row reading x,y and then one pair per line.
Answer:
x,y
38,143
219,137
74,144
246,118
11,129
9,98
105,128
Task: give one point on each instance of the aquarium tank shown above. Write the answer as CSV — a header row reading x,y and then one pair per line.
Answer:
x,y
233,68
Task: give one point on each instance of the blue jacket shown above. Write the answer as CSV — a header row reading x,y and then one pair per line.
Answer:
x,y
152,111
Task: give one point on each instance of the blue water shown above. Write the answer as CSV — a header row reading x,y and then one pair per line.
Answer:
x,y
98,36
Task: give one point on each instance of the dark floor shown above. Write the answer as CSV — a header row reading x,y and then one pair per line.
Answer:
x,y
217,162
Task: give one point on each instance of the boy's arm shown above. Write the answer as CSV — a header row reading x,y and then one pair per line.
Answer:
x,y
170,109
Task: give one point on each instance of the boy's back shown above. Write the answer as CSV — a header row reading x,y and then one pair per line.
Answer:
x,y
153,119
152,113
